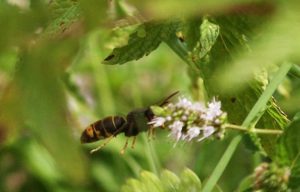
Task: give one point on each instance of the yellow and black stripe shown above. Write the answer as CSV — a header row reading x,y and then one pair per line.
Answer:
x,y
103,128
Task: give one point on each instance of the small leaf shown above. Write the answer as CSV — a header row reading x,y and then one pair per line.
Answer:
x,y
151,182
189,181
135,186
209,35
170,181
157,110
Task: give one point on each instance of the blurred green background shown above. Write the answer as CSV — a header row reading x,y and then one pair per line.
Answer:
x,y
52,85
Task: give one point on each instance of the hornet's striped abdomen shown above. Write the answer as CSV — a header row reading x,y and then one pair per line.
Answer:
x,y
103,129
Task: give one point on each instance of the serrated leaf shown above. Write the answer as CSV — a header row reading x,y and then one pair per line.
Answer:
x,y
189,181
170,181
143,41
209,35
289,150
232,38
63,15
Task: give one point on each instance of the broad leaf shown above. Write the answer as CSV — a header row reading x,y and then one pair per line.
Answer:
x,y
143,41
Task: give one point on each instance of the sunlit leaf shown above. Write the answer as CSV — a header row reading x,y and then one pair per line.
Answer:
x,y
143,41
168,181
189,181
63,15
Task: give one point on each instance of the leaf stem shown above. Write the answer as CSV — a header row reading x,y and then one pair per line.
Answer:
x,y
181,51
254,130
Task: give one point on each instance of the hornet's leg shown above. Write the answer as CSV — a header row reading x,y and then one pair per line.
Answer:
x,y
151,133
109,139
133,142
125,146
106,141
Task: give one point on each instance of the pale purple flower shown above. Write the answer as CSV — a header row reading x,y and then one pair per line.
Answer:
x,y
184,103
157,121
213,111
207,131
176,130
184,118
201,121
168,118
192,133
198,107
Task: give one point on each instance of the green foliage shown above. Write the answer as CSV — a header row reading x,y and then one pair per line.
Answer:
x,y
168,181
143,41
289,150
63,14
52,85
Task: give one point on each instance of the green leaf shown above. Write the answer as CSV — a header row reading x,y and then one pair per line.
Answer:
x,y
191,32
232,40
246,183
189,181
44,106
209,35
63,15
151,181
133,185
168,181
289,150
252,116
143,41
17,26
158,111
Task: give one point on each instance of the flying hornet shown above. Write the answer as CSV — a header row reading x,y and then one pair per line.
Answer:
x,y
109,127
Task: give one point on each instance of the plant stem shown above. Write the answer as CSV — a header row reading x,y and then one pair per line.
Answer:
x,y
181,51
254,130
259,105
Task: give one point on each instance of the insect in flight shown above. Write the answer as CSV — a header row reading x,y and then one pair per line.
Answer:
x,y
135,122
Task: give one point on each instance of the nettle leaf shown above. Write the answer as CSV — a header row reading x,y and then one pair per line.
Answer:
x,y
209,34
233,35
63,15
288,149
167,182
143,41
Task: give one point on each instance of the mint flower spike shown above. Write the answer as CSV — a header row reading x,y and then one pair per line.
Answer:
x,y
187,120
